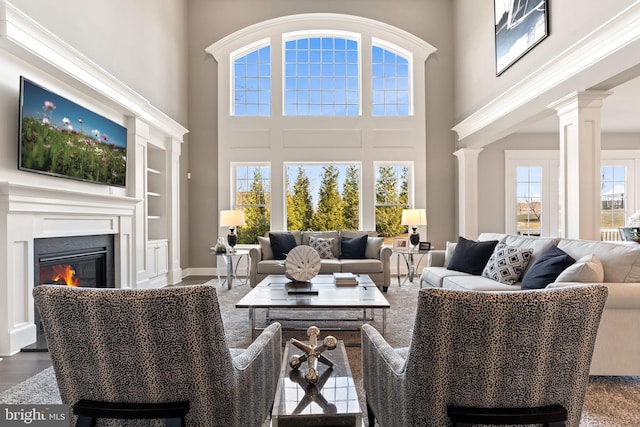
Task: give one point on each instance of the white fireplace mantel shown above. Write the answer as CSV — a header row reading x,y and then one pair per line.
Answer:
x,y
28,213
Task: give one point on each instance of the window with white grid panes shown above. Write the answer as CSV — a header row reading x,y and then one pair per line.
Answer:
x,y
612,197
529,200
390,83
321,77
252,83
252,194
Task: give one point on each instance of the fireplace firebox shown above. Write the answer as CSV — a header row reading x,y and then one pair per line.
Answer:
x,y
85,261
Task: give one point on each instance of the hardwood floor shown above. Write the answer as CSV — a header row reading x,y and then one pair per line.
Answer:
x,y
17,368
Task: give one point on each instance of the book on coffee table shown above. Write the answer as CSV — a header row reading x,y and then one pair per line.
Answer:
x,y
345,279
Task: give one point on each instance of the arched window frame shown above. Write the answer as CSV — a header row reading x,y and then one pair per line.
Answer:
x,y
279,139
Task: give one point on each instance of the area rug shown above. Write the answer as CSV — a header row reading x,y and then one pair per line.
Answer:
x,y
610,401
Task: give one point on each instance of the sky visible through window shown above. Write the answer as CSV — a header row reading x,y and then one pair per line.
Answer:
x,y
252,83
322,78
390,80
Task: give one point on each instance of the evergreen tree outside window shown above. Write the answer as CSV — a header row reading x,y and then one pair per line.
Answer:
x,y
390,82
253,196
392,196
322,197
322,76
252,83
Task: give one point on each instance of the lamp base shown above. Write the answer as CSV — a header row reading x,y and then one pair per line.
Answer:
x,y
232,239
414,238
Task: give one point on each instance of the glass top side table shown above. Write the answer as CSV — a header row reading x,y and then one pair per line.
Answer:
x,y
232,270
410,257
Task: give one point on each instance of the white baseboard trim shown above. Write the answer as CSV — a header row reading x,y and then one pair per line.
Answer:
x,y
199,271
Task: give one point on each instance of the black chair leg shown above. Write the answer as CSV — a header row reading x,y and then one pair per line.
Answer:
x,y
464,416
370,416
86,422
88,412
175,422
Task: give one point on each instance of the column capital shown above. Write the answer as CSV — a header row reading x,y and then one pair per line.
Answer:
x,y
580,99
467,153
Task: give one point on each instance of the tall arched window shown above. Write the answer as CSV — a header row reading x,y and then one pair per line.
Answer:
x,y
343,90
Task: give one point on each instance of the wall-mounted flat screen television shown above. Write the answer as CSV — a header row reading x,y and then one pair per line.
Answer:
x,y
61,138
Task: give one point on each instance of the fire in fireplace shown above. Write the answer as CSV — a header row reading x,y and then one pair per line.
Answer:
x,y
86,261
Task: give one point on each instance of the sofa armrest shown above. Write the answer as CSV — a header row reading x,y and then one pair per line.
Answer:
x,y
435,258
385,257
255,256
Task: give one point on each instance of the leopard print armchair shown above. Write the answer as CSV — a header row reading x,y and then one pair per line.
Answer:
x,y
485,349
156,346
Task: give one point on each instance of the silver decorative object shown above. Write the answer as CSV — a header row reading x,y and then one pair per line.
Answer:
x,y
313,353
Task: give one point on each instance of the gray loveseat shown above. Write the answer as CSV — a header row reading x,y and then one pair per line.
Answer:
x,y
617,349
376,262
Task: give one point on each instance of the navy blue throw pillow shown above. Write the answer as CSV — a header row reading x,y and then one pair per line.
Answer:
x,y
281,244
546,268
471,256
353,247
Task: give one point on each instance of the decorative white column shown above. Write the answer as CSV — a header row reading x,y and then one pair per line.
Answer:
x,y
468,191
580,180
173,209
138,133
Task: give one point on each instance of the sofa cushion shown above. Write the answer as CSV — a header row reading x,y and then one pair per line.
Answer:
x,y
358,233
271,266
335,248
621,262
330,266
476,283
281,244
587,269
448,253
507,263
354,247
322,246
537,244
374,244
546,268
471,256
361,266
265,247
435,275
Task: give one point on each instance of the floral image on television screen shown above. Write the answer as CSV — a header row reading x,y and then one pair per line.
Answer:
x,y
59,137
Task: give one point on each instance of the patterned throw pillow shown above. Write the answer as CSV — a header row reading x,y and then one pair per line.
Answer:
x,y
322,246
507,263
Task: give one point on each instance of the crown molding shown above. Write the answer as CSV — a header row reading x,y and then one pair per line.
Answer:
x,y
614,35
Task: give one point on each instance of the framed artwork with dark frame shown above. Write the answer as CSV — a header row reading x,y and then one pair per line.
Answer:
x,y
425,246
519,26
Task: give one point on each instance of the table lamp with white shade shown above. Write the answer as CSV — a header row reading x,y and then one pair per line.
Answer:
x,y
232,219
413,218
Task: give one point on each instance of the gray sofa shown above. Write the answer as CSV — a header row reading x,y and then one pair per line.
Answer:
x,y
376,263
617,349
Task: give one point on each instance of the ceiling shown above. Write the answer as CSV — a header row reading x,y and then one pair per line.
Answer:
x,y
620,112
